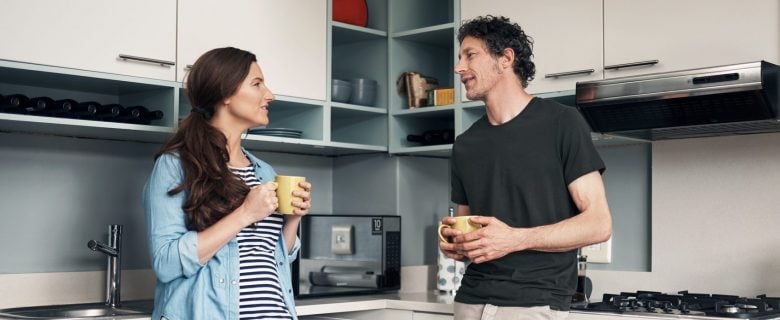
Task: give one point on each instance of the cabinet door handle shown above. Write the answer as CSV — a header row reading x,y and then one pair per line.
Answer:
x,y
631,64
163,63
569,73
188,67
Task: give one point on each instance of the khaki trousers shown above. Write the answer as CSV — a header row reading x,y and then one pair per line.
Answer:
x,y
490,312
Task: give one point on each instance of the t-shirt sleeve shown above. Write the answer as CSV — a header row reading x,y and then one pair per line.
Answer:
x,y
458,194
578,154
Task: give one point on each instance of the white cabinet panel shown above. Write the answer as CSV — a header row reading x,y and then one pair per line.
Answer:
x,y
91,34
684,34
431,316
567,37
288,38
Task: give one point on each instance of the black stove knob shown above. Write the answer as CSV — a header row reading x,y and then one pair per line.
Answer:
x,y
651,305
684,307
668,307
632,304
623,304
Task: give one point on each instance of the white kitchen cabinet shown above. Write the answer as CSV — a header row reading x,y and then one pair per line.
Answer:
x,y
567,37
575,36
684,34
288,38
92,34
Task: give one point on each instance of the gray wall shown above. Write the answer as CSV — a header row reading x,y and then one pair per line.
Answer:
x,y
365,185
57,193
627,181
423,199
416,188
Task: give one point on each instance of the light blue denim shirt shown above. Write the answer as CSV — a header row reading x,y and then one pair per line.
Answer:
x,y
187,290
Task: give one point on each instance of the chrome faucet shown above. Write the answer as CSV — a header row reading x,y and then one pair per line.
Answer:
x,y
114,270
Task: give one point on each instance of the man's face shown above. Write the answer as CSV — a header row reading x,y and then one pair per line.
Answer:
x,y
478,69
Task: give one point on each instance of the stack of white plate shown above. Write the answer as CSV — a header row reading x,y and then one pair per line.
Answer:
x,y
277,132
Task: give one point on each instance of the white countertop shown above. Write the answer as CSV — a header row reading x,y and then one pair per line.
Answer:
x,y
443,304
421,302
430,302
418,301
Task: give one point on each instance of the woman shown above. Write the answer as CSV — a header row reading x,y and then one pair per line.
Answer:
x,y
217,247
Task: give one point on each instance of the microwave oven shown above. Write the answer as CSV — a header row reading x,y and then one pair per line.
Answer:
x,y
347,254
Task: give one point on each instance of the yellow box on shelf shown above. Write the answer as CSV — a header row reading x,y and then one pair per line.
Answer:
x,y
441,96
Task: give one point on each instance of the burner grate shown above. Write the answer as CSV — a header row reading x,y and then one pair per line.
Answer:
x,y
686,303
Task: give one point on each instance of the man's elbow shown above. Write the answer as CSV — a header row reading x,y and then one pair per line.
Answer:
x,y
604,233
604,229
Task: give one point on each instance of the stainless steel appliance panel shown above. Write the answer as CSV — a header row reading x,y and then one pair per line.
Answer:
x,y
348,254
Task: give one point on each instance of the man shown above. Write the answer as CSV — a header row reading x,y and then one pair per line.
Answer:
x,y
529,170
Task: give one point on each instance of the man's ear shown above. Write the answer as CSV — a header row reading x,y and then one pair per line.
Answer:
x,y
507,56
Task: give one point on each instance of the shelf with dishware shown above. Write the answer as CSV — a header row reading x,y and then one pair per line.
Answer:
x,y
296,115
357,99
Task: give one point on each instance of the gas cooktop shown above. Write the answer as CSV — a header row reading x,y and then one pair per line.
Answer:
x,y
684,304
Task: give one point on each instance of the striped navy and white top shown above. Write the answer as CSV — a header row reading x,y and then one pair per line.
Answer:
x,y
260,292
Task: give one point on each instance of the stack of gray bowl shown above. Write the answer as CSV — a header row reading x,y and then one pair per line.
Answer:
x,y
363,92
341,90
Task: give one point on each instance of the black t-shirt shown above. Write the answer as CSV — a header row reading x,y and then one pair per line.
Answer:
x,y
518,172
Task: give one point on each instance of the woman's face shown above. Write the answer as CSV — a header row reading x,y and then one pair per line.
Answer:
x,y
249,105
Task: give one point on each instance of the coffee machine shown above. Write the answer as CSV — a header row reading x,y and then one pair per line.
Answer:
x,y
348,254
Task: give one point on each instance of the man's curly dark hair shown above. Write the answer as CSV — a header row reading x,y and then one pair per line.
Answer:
x,y
499,33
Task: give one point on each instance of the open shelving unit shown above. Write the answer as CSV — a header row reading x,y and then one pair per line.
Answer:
x,y
421,40
57,83
306,115
359,52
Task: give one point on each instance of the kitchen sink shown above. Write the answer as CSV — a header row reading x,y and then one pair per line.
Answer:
x,y
127,310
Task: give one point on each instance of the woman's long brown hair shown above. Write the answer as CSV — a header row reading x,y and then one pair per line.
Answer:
x,y
213,190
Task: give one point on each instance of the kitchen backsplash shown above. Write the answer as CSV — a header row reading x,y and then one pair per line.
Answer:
x,y
58,193
714,208
715,213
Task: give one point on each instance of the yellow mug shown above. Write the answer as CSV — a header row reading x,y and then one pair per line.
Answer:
x,y
462,223
285,185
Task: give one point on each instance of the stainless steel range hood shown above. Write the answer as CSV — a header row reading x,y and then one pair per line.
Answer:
x,y
725,100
